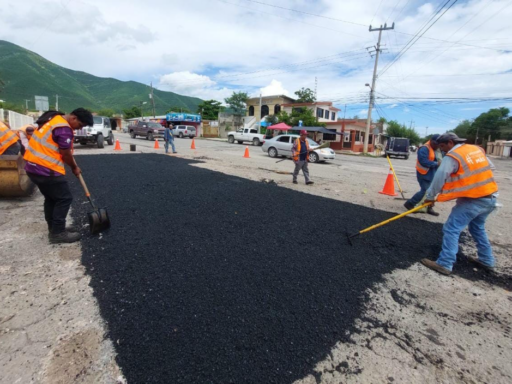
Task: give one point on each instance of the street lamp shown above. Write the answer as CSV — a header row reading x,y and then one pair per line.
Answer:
x,y
141,114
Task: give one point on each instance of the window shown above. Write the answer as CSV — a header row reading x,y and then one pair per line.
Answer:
x,y
277,109
251,111
329,136
358,136
319,112
284,139
298,110
254,131
370,140
246,130
326,114
333,116
264,110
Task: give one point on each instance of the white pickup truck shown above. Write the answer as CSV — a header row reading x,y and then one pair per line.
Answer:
x,y
246,134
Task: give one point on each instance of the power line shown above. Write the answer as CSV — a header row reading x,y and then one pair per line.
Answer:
x,y
417,37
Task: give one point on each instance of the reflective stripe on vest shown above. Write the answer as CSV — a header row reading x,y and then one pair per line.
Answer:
x,y
474,178
7,137
431,156
296,157
43,150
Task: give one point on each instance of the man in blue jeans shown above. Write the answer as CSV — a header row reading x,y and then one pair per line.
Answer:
x,y
169,139
426,166
466,175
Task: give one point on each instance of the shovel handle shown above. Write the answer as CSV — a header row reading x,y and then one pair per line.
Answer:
x,y
395,218
84,186
396,178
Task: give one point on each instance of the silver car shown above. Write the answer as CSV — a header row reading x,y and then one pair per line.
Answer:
x,y
282,146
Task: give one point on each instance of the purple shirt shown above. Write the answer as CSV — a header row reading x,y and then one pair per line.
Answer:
x,y
63,136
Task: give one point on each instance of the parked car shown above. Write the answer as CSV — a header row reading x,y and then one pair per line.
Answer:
x,y
147,129
282,146
398,147
184,130
100,131
413,148
246,134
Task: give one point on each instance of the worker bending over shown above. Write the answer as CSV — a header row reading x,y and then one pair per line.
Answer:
x,y
466,175
9,141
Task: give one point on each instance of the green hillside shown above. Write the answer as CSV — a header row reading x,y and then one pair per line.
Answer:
x,y
26,74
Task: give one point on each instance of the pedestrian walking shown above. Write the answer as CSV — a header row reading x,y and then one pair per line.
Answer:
x,y
466,175
169,139
300,153
9,141
48,150
426,166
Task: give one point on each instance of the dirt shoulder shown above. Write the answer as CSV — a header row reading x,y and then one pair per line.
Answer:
x,y
50,327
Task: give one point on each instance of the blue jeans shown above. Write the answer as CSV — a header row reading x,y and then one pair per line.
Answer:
x,y
166,145
470,213
424,184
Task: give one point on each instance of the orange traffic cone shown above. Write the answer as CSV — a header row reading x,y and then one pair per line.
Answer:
x,y
157,146
389,187
193,145
118,146
246,154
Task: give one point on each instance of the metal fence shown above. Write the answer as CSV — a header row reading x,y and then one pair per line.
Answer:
x,y
15,120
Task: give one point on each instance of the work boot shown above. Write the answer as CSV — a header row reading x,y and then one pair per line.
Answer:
x,y
295,182
430,211
64,237
69,228
434,266
477,261
310,182
408,205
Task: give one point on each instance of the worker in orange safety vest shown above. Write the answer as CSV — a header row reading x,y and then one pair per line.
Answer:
x,y
9,141
300,154
465,175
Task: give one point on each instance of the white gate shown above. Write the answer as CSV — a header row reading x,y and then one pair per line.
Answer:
x,y
17,120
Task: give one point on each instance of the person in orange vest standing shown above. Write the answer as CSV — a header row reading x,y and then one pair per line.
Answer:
x,y
466,175
9,141
426,166
300,153
49,149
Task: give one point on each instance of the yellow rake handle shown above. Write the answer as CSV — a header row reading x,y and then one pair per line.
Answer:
x,y
395,218
394,174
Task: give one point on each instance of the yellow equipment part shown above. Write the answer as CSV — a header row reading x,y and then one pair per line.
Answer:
x,y
14,181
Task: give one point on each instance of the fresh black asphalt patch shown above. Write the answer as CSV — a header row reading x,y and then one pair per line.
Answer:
x,y
211,278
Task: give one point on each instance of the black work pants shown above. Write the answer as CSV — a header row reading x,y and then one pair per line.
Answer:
x,y
57,200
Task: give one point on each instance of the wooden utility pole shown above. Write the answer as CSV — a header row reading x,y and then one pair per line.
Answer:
x,y
152,100
57,102
374,80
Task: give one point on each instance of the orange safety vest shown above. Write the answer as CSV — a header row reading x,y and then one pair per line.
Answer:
x,y
297,153
43,150
431,156
474,178
7,137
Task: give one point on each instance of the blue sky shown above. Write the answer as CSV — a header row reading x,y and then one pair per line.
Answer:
x,y
211,48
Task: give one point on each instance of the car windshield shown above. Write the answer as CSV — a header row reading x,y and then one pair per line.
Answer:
x,y
97,120
312,142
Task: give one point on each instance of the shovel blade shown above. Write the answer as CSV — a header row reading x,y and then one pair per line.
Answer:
x,y
98,220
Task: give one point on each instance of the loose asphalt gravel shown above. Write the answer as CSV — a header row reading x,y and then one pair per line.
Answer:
x,y
210,278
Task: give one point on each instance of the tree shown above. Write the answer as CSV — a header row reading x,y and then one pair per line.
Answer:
x,y
462,130
12,107
305,95
131,113
272,119
491,123
179,109
396,129
209,109
107,112
237,102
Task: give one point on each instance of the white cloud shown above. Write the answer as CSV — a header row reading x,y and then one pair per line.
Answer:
x,y
392,106
192,84
274,88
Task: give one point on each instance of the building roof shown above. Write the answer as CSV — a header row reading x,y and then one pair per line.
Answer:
x,y
270,97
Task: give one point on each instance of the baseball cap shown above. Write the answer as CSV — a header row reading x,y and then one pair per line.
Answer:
x,y
446,137
303,132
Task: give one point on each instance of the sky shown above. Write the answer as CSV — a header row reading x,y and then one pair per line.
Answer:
x,y
444,61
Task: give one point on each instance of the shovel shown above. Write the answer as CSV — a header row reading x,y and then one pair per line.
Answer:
x,y
350,237
396,178
98,217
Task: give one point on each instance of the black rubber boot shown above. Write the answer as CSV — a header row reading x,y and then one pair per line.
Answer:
x,y
64,237
431,211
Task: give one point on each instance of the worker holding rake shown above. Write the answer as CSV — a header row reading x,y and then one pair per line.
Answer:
x,y
466,175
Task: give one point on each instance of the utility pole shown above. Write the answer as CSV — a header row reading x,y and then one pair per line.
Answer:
x,y
57,102
260,116
426,131
476,138
26,105
152,100
316,87
374,80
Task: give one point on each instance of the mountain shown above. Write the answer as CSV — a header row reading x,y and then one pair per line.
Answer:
x,y
26,74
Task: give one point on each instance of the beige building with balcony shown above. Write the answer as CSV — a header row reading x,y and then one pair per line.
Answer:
x,y
270,105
